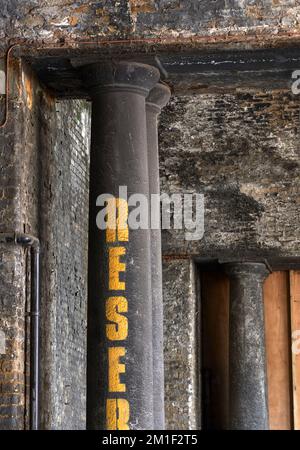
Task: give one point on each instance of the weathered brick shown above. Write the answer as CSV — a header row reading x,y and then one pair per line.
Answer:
x,y
241,150
64,221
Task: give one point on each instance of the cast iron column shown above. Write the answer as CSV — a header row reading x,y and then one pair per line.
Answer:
x,y
248,407
120,359
157,99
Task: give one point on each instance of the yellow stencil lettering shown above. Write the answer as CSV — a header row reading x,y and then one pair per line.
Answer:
x,y
115,369
119,330
117,215
117,414
115,267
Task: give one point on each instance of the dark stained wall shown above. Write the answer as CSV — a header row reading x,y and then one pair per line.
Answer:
x,y
241,150
54,20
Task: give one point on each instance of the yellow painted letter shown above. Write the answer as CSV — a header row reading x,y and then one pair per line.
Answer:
x,y
115,368
117,414
117,215
119,330
115,267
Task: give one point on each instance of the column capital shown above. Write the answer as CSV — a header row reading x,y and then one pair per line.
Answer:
x,y
120,76
158,97
246,269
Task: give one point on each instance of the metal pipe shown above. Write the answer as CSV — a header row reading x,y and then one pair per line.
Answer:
x,y
34,244
34,337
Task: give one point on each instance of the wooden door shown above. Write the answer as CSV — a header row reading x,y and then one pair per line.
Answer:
x,y
282,328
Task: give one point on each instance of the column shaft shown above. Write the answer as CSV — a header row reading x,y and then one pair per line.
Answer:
x,y
157,98
120,359
248,407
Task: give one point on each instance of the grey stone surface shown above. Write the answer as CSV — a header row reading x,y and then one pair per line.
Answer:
x,y
181,328
248,403
241,150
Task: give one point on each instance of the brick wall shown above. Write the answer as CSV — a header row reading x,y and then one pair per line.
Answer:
x,y
44,160
181,355
64,231
241,150
12,326
17,144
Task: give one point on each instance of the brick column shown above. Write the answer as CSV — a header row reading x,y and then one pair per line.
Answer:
x,y
120,360
248,406
12,337
157,99
15,188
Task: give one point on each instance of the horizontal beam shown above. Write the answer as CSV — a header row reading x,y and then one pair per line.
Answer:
x,y
274,263
199,70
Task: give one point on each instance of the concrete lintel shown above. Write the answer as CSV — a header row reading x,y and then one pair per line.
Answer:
x,y
185,68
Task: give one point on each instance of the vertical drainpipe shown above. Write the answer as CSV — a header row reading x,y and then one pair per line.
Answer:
x,y
119,157
156,100
34,336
